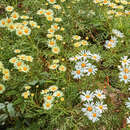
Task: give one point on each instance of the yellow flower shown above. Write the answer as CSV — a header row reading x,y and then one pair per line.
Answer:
x,y
77,44
17,51
2,88
62,68
5,71
52,1
62,0
55,49
62,99
50,35
9,8
25,68
49,18
24,17
62,29
2,22
6,77
27,87
53,66
26,94
14,15
19,32
32,94
41,11
33,24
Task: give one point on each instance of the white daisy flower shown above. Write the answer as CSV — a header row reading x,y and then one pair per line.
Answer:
x,y
99,94
77,57
58,93
53,88
91,69
82,64
51,1
125,69
94,115
48,98
96,57
124,77
85,54
78,73
125,60
128,103
76,37
88,107
101,107
128,120
111,43
117,33
47,105
51,43
87,96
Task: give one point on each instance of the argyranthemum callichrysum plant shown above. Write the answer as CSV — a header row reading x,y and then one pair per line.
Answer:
x,y
5,72
92,107
50,95
18,62
12,23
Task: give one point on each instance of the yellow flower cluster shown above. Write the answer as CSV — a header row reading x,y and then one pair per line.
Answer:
x,y
19,64
5,72
118,7
21,28
79,43
56,65
52,37
51,95
27,93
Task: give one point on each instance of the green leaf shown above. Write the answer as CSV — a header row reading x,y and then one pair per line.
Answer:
x,y
3,117
11,109
2,105
12,92
18,101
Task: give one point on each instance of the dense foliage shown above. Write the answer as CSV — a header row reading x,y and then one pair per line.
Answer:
x,y
64,64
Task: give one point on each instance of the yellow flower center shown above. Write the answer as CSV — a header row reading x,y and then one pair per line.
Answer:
x,y
90,69
83,65
1,88
89,108
48,105
87,96
94,114
125,77
99,94
78,71
100,107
